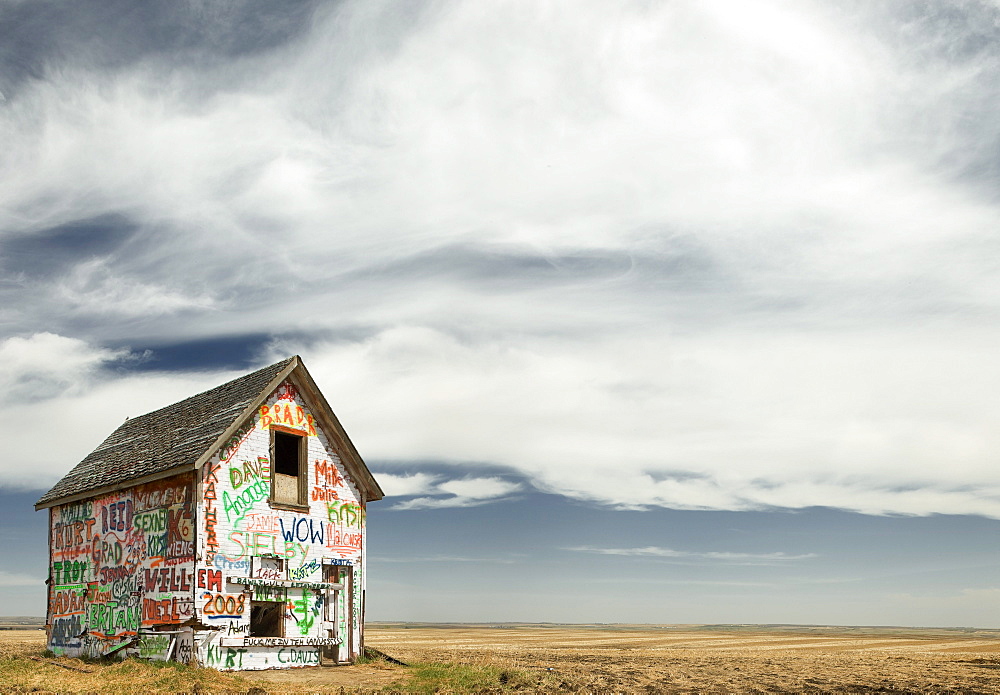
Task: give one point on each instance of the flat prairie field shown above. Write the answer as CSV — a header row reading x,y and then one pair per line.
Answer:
x,y
600,659
710,659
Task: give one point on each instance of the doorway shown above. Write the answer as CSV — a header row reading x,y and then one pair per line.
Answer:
x,y
339,613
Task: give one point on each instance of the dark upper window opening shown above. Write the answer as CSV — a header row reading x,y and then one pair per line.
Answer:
x,y
286,453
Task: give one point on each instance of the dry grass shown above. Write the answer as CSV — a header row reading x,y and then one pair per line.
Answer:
x,y
20,673
574,659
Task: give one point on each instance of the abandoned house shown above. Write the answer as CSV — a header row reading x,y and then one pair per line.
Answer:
x,y
226,530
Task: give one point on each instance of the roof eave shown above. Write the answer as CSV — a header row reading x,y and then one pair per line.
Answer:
x,y
121,485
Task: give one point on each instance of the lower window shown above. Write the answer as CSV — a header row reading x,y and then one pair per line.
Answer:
x,y
265,618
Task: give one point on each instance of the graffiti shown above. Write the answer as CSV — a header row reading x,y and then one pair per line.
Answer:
x,y
76,511
349,541
104,569
323,494
302,529
346,514
152,646
162,494
328,474
268,573
111,551
223,605
180,533
98,594
156,546
270,593
169,579
250,471
238,628
148,556
305,610
69,572
180,550
287,415
233,657
117,516
291,641
210,579
73,535
66,632
236,507
184,649
250,581
167,610
69,600
211,540
256,543
256,475
286,392
153,521
261,522
109,620
305,570
154,524
123,589
224,562
236,441
290,655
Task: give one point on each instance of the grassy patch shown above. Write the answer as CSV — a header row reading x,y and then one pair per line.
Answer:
x,y
467,678
20,673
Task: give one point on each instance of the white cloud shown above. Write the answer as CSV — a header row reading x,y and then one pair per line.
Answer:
x,y
869,423
701,255
469,492
44,365
405,485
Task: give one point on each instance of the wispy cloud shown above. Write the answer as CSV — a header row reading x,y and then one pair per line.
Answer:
x,y
710,556
447,558
93,288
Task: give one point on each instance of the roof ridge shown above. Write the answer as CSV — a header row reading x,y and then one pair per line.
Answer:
x,y
277,365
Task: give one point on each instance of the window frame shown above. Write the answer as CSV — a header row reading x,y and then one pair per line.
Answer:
x,y
302,502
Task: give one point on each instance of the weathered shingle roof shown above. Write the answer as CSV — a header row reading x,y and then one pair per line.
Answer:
x,y
166,438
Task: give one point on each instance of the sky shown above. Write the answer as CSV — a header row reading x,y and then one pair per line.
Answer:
x,y
643,311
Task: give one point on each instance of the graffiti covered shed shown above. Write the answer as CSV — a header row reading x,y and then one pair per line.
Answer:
x,y
226,530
